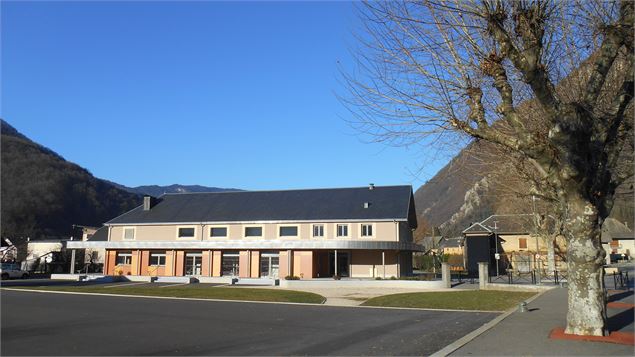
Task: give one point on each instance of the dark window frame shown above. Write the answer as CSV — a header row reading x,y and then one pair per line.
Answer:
x,y
280,228
180,235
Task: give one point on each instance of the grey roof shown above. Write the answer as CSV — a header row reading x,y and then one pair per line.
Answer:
x,y
453,242
386,202
100,235
507,224
510,223
477,228
614,229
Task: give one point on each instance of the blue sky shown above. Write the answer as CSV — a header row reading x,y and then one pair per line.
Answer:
x,y
218,94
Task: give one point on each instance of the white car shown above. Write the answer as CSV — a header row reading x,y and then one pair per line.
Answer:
x,y
9,270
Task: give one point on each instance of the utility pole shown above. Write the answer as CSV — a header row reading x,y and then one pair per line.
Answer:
x,y
497,256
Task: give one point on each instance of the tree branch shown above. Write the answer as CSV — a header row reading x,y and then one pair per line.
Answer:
x,y
617,35
530,27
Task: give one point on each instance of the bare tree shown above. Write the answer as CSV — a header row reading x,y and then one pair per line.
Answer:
x,y
482,69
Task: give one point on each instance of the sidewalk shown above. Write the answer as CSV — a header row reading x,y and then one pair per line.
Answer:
x,y
527,334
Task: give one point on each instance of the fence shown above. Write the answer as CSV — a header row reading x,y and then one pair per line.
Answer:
x,y
620,280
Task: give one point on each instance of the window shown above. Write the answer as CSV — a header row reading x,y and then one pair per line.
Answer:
x,y
367,230
342,230
186,232
288,231
128,233
253,231
522,243
230,264
157,259
218,232
318,230
124,258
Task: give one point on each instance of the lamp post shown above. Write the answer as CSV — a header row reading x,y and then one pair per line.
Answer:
x,y
497,255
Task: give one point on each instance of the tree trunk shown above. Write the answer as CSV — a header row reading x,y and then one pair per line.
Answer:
x,y
587,305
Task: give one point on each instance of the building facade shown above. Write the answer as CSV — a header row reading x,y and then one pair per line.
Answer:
x,y
507,242
348,232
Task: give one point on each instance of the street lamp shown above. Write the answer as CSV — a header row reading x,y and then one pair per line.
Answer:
x,y
497,255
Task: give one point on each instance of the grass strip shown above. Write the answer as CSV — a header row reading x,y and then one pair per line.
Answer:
x,y
485,300
193,291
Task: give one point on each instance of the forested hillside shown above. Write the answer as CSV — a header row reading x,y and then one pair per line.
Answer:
x,y
469,189
43,195
156,191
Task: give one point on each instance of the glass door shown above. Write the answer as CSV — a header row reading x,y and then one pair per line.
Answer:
x,y
193,263
230,264
269,264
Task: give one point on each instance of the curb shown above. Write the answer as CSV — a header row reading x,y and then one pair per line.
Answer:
x,y
479,331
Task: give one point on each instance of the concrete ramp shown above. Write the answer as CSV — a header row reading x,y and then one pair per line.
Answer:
x,y
176,279
255,281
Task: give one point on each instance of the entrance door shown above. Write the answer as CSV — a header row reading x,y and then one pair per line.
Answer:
x,y
193,263
230,264
269,264
342,264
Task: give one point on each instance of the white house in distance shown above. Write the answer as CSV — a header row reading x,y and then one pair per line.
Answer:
x,y
617,239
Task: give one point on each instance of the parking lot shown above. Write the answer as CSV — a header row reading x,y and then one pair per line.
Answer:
x,y
36,323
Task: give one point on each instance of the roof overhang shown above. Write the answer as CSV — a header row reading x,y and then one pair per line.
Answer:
x,y
247,244
259,222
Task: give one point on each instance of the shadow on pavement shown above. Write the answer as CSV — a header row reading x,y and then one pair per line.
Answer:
x,y
619,296
621,320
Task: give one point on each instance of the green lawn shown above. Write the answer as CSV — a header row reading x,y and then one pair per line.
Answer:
x,y
486,300
194,291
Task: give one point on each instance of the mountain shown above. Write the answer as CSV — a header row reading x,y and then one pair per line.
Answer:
x,y
156,191
43,195
464,192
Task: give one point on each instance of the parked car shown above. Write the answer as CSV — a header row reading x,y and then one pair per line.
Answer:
x,y
12,270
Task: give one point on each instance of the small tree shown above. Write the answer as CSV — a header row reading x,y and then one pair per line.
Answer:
x,y
549,81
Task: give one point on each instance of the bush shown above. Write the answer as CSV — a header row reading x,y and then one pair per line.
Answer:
x,y
378,278
291,277
337,277
393,278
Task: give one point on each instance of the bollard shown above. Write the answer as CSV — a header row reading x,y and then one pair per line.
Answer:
x,y
483,275
522,307
446,275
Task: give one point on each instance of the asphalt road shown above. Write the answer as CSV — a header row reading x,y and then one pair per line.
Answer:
x,y
59,324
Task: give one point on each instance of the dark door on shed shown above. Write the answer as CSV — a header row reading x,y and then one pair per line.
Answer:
x,y
477,249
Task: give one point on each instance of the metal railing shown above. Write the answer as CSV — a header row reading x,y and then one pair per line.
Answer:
x,y
621,280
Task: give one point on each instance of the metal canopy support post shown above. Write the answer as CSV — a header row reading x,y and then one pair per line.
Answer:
x,y
335,262
383,263
72,261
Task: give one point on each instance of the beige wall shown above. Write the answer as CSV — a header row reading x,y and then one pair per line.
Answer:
x,y
38,249
303,264
382,231
368,264
512,243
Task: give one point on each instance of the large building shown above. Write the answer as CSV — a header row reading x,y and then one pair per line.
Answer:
x,y
363,232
